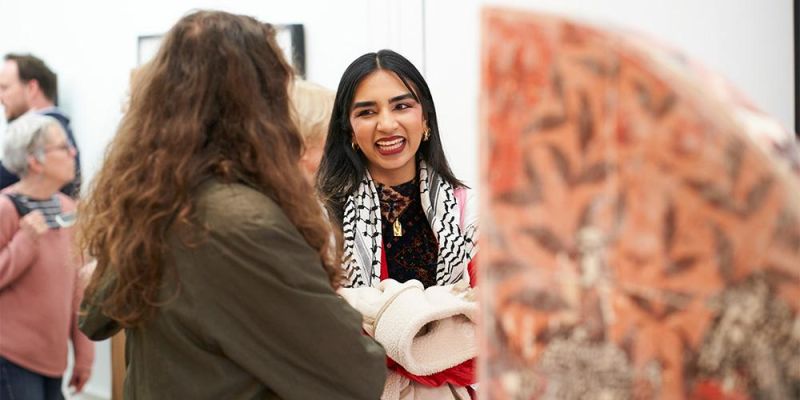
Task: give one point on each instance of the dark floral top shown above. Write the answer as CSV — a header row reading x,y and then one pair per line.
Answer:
x,y
413,254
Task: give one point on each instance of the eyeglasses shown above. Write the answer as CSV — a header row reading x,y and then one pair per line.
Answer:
x,y
67,147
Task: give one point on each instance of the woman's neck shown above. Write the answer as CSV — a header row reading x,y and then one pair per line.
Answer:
x,y
36,187
393,177
397,185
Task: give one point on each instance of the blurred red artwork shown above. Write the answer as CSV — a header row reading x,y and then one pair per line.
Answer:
x,y
640,223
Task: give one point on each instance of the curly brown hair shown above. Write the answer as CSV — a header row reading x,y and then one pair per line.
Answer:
x,y
212,103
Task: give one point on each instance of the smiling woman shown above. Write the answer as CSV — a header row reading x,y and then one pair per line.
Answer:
x,y
409,230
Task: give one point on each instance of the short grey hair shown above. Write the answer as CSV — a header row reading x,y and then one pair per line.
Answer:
x,y
26,136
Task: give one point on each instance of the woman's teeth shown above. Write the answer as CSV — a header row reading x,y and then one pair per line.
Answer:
x,y
389,145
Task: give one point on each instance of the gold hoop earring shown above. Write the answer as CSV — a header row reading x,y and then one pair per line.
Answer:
x,y
426,135
354,146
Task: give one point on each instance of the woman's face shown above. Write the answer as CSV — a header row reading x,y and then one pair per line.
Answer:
x,y
58,163
310,160
387,127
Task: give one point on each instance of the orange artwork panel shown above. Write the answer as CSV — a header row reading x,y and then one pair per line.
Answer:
x,y
640,223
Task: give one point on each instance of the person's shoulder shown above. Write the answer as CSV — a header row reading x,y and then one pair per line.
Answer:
x,y
231,203
56,113
464,193
5,193
62,119
6,205
215,191
8,212
463,188
67,203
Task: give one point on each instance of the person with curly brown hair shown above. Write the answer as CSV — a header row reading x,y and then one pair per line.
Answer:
x,y
212,251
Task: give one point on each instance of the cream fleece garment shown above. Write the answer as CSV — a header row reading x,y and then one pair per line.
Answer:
x,y
424,330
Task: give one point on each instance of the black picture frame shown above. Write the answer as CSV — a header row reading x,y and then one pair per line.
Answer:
x,y
292,39
797,68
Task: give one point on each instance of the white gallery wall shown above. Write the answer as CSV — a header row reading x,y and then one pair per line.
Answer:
x,y
92,45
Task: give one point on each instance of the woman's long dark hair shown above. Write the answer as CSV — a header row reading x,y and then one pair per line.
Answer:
x,y
212,104
342,168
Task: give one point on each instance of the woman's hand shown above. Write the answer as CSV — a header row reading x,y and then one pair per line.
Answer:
x,y
79,378
33,223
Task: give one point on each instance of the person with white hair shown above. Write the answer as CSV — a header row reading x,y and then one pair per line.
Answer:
x,y
40,290
311,106
28,85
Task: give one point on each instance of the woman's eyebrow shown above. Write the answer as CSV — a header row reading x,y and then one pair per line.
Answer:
x,y
402,97
361,104
369,103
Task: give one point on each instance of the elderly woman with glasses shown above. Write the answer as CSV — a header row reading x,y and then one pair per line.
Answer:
x,y
40,291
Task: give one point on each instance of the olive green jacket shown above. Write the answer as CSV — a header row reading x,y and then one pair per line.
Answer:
x,y
254,316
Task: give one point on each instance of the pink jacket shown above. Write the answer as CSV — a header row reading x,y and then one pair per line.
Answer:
x,y
40,294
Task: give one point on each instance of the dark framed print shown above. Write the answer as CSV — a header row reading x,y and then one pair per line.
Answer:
x,y
797,68
291,38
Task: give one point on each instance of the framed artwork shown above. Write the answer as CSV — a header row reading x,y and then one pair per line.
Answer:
x,y
797,68
290,38
146,48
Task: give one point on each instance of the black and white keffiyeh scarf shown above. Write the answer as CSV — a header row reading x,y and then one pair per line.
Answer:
x,y
362,231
